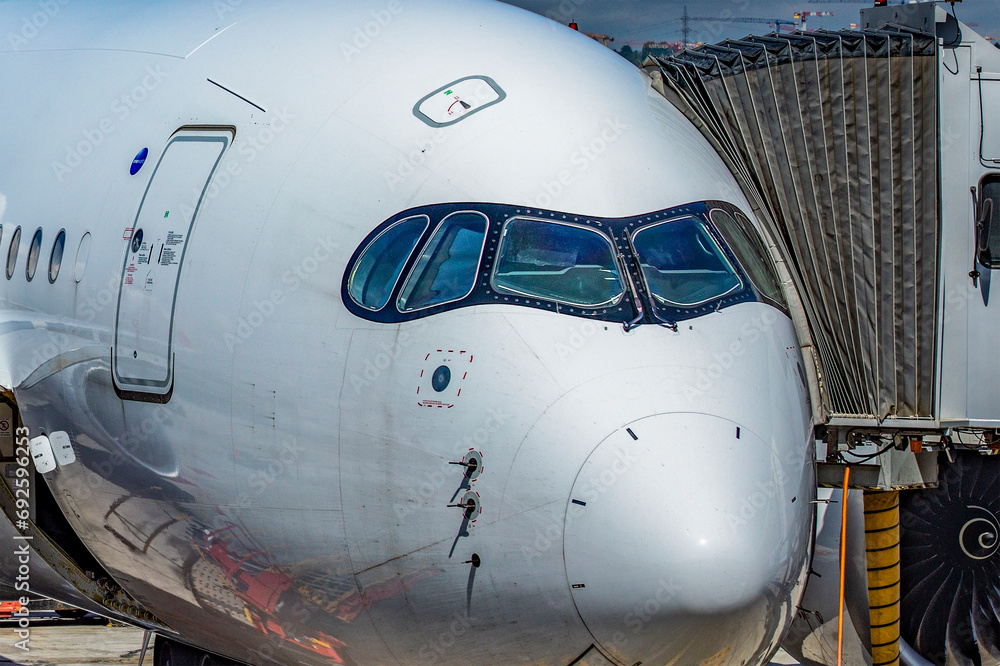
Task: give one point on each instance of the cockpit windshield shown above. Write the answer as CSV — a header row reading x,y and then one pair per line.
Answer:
x,y
376,272
682,263
446,270
558,262
656,268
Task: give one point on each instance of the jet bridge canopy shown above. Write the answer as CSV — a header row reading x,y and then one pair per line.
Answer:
x,y
833,137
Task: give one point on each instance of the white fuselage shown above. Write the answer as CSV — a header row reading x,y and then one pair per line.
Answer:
x,y
292,486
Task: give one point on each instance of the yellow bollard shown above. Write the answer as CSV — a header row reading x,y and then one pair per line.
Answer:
x,y
882,554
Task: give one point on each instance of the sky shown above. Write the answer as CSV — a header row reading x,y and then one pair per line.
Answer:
x,y
637,21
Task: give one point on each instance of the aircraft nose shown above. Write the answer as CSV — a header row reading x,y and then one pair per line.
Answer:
x,y
681,537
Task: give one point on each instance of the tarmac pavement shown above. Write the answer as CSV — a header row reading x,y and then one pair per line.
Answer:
x,y
75,644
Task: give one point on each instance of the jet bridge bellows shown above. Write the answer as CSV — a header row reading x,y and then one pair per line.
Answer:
x,y
834,138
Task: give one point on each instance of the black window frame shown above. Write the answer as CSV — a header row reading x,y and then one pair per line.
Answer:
x,y
12,251
988,230
616,231
59,241
369,242
422,247
506,291
756,238
665,304
34,254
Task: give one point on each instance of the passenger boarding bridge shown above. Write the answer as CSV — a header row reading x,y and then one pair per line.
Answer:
x,y
869,157
872,157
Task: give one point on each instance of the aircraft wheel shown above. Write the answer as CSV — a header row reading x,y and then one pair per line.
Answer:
x,y
950,556
168,653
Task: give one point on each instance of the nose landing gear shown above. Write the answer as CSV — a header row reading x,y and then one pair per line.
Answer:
x,y
169,653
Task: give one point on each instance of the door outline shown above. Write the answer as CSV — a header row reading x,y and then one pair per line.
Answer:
x,y
137,388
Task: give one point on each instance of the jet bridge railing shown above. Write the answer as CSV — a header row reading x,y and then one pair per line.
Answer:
x,y
833,137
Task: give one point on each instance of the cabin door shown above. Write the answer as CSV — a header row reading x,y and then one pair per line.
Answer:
x,y
142,356
988,88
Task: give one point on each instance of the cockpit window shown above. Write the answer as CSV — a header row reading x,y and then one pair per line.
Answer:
x,y
557,262
683,264
751,252
378,269
447,269
657,268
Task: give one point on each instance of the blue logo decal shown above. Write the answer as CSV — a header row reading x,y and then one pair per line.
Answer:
x,y
139,160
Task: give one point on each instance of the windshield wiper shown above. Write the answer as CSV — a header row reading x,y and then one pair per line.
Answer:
x,y
672,325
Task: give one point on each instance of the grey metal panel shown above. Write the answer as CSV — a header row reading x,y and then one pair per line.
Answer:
x,y
834,135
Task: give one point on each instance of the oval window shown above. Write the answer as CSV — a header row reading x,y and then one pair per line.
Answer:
x,y
55,260
33,251
376,272
447,269
683,263
15,244
82,254
557,262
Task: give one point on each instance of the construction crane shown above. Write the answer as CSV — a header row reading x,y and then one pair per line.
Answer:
x,y
804,16
597,37
743,19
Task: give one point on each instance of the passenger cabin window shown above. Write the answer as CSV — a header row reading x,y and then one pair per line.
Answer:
x,y
683,264
559,262
376,272
55,259
750,251
33,251
15,244
447,268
